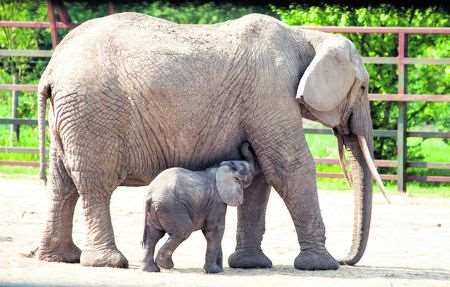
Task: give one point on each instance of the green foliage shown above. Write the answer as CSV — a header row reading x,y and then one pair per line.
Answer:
x,y
183,13
23,69
194,13
422,79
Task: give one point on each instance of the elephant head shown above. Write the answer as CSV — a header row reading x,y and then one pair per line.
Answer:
x,y
231,179
334,91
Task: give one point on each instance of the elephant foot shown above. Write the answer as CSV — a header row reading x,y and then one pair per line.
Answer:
x,y
164,262
315,260
68,253
213,268
151,268
103,258
244,258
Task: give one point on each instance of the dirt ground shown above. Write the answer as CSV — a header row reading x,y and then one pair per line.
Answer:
x,y
409,244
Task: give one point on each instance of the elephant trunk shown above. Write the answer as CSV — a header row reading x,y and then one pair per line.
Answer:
x,y
249,155
359,144
362,188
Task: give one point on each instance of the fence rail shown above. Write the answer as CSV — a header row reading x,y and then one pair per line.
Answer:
x,y
402,97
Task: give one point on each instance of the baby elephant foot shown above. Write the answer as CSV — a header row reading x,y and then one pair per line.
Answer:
x,y
164,262
244,258
68,253
103,258
150,268
212,268
315,260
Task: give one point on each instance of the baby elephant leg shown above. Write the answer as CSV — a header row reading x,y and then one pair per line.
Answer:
x,y
179,227
151,237
164,258
213,258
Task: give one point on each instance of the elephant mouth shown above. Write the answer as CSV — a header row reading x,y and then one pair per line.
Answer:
x,y
341,130
367,157
239,181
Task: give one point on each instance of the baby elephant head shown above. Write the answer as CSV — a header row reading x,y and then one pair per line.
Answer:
x,y
231,179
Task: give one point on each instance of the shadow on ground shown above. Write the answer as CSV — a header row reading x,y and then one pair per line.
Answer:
x,y
345,272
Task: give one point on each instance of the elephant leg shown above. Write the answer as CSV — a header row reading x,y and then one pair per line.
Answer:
x,y
213,258
100,250
220,258
251,227
56,243
288,166
153,236
179,229
164,257
301,199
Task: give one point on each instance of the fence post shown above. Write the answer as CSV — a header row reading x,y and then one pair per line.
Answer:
x,y
15,128
52,21
111,8
402,113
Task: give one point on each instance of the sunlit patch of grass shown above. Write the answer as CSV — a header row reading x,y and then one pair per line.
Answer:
x,y
19,171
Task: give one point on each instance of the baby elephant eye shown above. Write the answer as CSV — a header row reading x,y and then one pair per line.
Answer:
x,y
233,166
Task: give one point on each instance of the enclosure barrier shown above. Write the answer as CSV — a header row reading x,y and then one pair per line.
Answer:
x,y
56,8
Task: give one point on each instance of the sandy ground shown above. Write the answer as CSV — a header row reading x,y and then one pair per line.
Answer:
x,y
409,244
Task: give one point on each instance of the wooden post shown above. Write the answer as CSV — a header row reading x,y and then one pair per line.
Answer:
x,y
402,114
58,6
52,21
14,132
111,9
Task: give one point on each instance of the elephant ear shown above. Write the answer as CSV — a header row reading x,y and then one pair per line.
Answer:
x,y
229,188
330,75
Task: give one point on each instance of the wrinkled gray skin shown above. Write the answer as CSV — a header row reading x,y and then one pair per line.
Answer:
x,y
133,95
181,201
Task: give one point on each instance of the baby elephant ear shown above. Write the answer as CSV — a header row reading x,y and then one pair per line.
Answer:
x,y
229,188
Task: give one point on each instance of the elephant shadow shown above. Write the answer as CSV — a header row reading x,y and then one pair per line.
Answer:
x,y
344,272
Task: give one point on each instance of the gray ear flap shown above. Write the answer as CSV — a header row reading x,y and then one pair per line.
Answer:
x,y
229,188
329,76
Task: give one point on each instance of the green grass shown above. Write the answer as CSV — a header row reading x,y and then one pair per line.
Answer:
x,y
322,146
13,171
28,138
433,150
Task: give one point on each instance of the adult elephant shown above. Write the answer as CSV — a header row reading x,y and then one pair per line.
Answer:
x,y
133,95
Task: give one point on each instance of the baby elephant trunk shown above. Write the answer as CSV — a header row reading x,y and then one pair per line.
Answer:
x,y
249,155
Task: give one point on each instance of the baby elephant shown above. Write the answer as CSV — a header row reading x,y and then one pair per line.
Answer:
x,y
181,201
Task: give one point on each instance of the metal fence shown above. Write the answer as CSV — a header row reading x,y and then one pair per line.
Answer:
x,y
402,97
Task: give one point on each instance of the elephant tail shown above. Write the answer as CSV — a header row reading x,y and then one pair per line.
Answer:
x,y
44,92
148,206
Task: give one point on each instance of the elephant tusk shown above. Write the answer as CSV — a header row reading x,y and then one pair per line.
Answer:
x,y
342,160
370,163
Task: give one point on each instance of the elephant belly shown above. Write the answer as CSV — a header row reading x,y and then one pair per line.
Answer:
x,y
150,155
